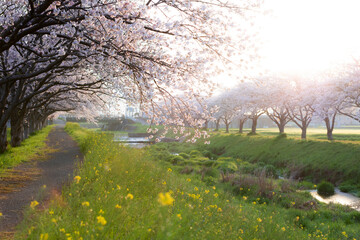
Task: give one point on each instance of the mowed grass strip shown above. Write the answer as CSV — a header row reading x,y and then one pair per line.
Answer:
x,y
313,159
30,148
117,193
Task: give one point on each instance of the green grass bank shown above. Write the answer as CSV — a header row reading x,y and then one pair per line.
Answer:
x,y
30,148
124,193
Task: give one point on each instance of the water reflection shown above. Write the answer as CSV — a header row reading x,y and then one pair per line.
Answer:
x,y
340,198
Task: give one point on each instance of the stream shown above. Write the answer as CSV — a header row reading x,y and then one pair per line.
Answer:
x,y
340,198
136,142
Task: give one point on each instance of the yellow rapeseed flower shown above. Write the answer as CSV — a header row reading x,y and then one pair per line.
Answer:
x,y
129,196
44,236
77,179
101,220
85,204
33,204
165,199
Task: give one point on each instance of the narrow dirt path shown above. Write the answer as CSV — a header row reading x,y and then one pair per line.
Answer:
x,y
26,182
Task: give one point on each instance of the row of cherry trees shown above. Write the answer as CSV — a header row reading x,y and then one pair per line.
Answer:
x,y
71,55
289,99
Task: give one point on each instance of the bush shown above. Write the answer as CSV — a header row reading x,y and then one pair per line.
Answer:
x,y
325,189
177,160
184,155
227,167
209,154
195,153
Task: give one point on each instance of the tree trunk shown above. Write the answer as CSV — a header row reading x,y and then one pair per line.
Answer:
x,y
330,135
3,140
303,132
17,127
254,124
329,129
241,125
217,124
206,124
227,127
17,132
281,127
26,129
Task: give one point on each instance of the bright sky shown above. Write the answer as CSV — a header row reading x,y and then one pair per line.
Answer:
x,y
309,36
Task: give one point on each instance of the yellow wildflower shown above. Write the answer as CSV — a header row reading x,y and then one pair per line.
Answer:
x,y
33,204
117,206
179,216
164,183
149,230
1,214
245,198
259,219
169,170
189,180
44,236
165,199
62,230
101,220
283,229
85,204
219,210
129,196
51,212
216,195
77,179
207,191
53,220
214,187
297,218
196,189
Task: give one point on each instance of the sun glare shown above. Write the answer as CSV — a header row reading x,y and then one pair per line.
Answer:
x,y
309,37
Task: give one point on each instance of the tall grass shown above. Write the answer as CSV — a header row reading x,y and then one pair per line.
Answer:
x,y
30,148
118,193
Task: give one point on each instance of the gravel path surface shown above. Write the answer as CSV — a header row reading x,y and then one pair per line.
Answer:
x,y
54,172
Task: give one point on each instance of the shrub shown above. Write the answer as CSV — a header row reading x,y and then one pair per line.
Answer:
x,y
177,160
195,153
208,154
184,155
227,167
325,189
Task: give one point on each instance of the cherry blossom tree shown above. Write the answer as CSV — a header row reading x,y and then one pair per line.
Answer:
x,y
138,50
